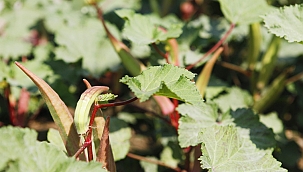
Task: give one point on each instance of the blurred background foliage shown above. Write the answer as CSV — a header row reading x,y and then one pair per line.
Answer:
x,y
64,42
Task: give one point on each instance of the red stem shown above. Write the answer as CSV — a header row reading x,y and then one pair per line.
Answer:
x,y
164,55
88,138
11,106
214,48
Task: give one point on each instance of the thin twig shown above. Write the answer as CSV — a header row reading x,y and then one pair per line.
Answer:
x,y
85,144
214,48
234,68
116,103
142,158
152,112
294,78
164,55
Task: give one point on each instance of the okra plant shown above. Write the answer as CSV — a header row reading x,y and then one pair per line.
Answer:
x,y
202,87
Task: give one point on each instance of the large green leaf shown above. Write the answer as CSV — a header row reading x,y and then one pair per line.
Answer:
x,y
87,41
286,23
225,150
166,80
244,11
14,41
197,117
21,152
144,29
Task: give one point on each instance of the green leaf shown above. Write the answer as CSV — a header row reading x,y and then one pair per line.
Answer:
x,y
144,29
286,23
249,126
18,23
225,150
197,117
21,152
235,98
53,136
244,11
109,5
87,42
14,47
171,154
194,118
119,137
166,80
272,120
41,70
150,167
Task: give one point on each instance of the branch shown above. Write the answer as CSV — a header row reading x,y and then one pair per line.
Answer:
x,y
214,48
142,158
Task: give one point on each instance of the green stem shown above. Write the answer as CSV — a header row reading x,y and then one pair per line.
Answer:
x,y
154,6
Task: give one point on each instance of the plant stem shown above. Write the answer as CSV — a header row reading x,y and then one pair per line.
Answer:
x,y
234,68
154,6
117,103
294,78
214,48
81,149
88,141
164,55
142,158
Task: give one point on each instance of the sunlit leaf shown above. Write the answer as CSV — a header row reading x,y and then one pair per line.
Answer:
x,y
244,11
119,136
150,167
194,118
235,98
286,23
197,117
109,5
167,80
21,152
144,29
53,136
225,150
87,42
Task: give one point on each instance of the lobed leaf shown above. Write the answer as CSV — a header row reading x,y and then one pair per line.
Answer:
x,y
144,29
86,41
195,118
166,80
225,150
286,23
21,152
